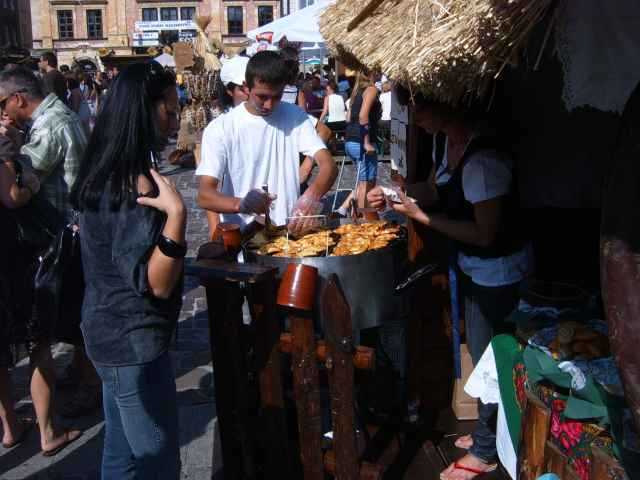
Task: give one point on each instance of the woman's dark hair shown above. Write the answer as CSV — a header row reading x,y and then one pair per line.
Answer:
x,y
221,93
333,85
290,56
124,138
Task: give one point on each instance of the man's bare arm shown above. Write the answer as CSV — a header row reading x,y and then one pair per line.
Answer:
x,y
328,171
211,199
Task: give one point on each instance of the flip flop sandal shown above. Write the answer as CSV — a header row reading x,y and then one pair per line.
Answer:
x,y
477,471
27,426
63,445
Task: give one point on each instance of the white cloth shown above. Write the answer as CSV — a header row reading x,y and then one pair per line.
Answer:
x,y
597,43
385,100
487,175
248,151
483,384
337,110
234,70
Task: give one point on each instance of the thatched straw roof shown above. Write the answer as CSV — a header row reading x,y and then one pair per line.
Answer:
x,y
451,49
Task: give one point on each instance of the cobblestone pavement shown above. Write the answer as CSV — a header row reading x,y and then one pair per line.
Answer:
x,y
199,441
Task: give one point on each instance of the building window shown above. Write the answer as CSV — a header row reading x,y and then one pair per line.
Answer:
x,y
65,24
234,21
169,13
150,14
187,13
94,23
265,14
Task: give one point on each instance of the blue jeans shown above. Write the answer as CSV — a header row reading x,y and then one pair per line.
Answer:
x,y
367,164
141,421
486,309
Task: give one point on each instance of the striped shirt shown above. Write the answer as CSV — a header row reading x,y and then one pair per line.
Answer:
x,y
55,146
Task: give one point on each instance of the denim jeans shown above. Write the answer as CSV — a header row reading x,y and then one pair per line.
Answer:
x,y
486,309
367,164
141,421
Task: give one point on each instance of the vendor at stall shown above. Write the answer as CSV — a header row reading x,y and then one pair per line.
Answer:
x,y
258,143
472,182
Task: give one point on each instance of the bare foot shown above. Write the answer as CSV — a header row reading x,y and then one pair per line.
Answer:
x,y
466,468
465,442
59,442
13,437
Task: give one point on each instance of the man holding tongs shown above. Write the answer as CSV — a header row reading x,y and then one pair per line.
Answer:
x,y
256,149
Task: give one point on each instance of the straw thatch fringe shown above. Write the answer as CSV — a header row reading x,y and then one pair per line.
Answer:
x,y
450,49
203,47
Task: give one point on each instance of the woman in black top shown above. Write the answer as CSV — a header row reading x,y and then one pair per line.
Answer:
x,y
363,116
132,225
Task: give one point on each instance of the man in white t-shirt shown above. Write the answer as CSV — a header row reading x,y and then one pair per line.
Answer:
x,y
258,143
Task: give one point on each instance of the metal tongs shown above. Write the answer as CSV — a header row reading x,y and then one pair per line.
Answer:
x,y
415,276
270,228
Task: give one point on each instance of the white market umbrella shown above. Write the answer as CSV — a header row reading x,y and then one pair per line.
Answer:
x,y
300,26
166,60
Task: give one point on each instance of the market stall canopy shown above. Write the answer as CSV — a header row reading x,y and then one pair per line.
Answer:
x,y
451,49
301,26
166,60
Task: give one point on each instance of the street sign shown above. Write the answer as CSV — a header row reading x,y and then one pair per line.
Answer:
x,y
145,35
165,25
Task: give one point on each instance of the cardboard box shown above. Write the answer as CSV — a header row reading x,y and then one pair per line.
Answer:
x,y
464,406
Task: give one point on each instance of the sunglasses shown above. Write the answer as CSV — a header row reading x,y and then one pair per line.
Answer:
x,y
3,100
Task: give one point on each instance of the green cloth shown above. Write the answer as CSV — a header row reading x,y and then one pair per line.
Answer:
x,y
56,144
507,352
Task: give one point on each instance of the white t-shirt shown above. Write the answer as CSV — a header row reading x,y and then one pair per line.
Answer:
x,y
248,151
487,175
337,109
385,100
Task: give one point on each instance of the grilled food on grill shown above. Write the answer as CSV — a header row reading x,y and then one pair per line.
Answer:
x,y
350,239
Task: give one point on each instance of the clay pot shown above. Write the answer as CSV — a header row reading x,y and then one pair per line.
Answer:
x,y
231,238
298,287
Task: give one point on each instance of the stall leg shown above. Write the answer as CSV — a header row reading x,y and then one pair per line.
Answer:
x,y
224,301
307,395
262,302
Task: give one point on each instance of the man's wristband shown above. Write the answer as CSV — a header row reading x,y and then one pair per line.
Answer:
x,y
170,248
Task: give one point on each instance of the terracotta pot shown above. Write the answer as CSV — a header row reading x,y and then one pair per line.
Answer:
x,y
230,233
298,287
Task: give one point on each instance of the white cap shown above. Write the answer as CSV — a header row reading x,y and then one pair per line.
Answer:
x,y
233,70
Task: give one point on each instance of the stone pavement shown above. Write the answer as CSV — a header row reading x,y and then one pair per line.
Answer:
x,y
199,441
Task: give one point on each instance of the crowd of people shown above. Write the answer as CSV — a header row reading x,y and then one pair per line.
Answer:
x,y
89,147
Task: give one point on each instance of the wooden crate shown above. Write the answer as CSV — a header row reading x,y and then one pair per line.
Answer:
x,y
535,431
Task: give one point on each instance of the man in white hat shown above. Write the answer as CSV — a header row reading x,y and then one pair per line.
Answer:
x,y
259,143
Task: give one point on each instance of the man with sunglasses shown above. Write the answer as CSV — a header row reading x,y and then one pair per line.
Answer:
x,y
54,145
55,140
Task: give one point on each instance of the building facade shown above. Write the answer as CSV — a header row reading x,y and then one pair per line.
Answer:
x,y
15,24
237,17
79,30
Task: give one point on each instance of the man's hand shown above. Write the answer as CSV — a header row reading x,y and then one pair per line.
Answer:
x,y
376,199
13,134
307,205
257,201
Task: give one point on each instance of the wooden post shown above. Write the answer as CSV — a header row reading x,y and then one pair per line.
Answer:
x,y
339,364
535,431
263,311
224,302
307,394
221,278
